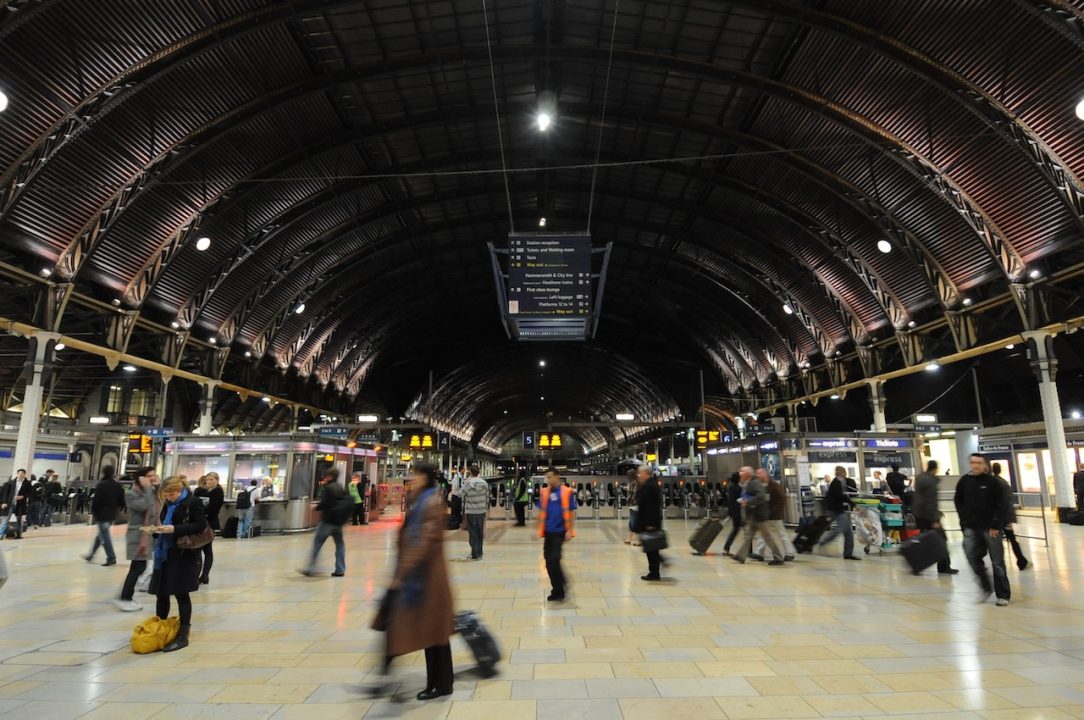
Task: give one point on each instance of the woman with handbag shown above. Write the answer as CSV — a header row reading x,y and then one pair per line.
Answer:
x,y
649,519
181,532
141,499
416,612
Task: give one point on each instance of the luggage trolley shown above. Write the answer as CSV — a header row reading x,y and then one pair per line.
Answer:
x,y
867,523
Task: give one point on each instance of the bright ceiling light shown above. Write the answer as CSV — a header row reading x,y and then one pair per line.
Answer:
x,y
99,420
543,119
541,222
541,363
1035,273
624,417
4,101
248,353
175,325
46,272
368,418
542,397
835,397
265,399
129,368
933,367
788,309
203,243
300,308
911,323
59,346
212,340
1010,346
505,412
967,301
1080,109
884,246
1075,415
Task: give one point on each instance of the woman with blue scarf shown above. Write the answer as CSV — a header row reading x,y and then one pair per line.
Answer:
x,y
417,610
176,570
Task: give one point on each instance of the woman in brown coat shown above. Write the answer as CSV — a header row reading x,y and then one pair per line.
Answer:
x,y
417,609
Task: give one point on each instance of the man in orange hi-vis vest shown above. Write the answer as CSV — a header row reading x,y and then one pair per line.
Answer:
x,y
556,507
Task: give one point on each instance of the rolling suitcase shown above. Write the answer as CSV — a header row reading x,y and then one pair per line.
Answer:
x,y
705,535
925,550
229,530
480,641
809,532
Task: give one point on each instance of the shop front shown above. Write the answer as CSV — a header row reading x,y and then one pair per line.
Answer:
x,y
1024,455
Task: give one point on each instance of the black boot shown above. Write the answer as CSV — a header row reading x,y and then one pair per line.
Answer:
x,y
179,642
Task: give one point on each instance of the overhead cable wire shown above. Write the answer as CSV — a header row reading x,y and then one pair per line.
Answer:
x,y
497,112
602,120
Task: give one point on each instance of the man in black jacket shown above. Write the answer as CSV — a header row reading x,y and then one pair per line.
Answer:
x,y
54,496
649,516
981,503
733,509
1078,487
335,508
7,507
838,504
108,501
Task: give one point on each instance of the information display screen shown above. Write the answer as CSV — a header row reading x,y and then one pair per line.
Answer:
x,y
549,275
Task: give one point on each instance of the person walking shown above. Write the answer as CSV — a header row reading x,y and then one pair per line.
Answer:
x,y
7,506
556,509
1078,487
54,497
733,511
634,508
1010,517
108,500
142,502
837,503
520,498
926,513
245,507
22,499
38,496
176,569
649,503
417,612
981,503
212,490
757,511
335,507
777,513
475,494
897,482
357,498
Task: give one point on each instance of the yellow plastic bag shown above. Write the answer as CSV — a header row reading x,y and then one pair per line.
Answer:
x,y
153,634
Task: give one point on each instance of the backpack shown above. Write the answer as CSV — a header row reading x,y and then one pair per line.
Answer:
x,y
244,500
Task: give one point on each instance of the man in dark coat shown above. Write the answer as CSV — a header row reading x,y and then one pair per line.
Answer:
x,y
733,509
981,504
649,516
107,502
926,513
838,505
7,506
335,508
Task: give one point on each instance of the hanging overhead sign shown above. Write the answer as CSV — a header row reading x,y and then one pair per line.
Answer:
x,y
706,438
549,275
528,440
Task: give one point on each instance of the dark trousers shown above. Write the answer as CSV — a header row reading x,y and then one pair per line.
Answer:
x,y
977,545
208,559
1021,561
359,514
654,559
137,568
37,517
735,528
551,550
943,565
438,668
184,607
476,531
521,513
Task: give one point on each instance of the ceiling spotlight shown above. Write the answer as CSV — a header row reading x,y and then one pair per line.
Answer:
x,y
212,340
542,397
835,397
788,309
4,102
265,399
300,308
967,301
911,324
203,243
175,325
46,272
248,353
933,367
543,119
116,302
1035,273
624,417
1010,346
884,246
541,363
59,346
129,368
99,420
1079,109
1075,415
505,412
541,222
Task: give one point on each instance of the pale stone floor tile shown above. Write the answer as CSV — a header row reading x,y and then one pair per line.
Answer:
x,y
54,709
127,711
492,710
662,708
183,711
975,698
277,693
572,671
351,711
766,708
622,688
1035,713
704,687
900,703
842,705
656,670
595,709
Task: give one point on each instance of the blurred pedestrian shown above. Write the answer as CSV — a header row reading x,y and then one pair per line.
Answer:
x,y
838,504
142,501
733,510
335,507
1010,517
556,505
108,500
926,512
475,493
981,504
358,498
634,509
757,511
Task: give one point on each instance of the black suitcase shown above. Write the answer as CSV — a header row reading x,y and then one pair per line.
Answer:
x,y
927,549
705,535
229,530
480,641
809,532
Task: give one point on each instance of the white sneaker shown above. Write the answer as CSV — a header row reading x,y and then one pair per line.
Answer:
x,y
1002,602
127,605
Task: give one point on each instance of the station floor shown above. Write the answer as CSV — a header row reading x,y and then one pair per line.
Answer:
x,y
818,638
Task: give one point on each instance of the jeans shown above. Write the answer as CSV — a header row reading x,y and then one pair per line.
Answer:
x,y
137,568
752,527
47,515
476,530
6,520
323,531
103,539
943,565
842,522
244,522
551,550
977,545
37,518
